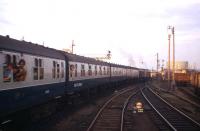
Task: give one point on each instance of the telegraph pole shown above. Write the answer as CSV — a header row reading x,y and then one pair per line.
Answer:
x,y
173,70
157,64
169,36
73,46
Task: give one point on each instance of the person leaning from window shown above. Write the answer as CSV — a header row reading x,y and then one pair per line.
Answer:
x,y
21,72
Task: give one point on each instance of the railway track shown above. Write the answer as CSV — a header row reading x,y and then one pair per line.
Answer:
x,y
194,104
111,115
182,94
174,118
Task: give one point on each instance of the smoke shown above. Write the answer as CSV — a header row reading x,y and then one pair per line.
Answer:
x,y
129,57
131,61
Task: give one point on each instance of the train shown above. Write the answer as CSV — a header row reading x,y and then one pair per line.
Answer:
x,y
189,77
182,78
195,81
32,74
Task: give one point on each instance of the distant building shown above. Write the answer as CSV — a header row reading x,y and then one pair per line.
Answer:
x,y
180,66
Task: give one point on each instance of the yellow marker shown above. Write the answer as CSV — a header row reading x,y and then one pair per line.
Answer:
x,y
140,110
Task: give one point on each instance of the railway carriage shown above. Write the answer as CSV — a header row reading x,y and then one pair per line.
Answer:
x,y
143,74
116,73
132,74
29,74
195,81
86,73
121,73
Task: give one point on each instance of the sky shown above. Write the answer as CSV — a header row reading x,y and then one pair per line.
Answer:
x,y
133,30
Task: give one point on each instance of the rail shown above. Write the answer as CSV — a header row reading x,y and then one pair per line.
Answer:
x,y
173,117
109,102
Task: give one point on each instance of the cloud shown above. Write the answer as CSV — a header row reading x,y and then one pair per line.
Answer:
x,y
187,18
4,22
139,28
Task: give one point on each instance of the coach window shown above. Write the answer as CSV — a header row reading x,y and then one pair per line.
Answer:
x,y
71,70
89,70
35,69
38,70
113,71
108,70
54,70
7,69
100,71
95,68
14,61
58,71
75,70
82,70
104,70
120,72
62,70
41,69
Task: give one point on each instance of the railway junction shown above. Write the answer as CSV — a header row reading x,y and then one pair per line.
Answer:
x,y
128,109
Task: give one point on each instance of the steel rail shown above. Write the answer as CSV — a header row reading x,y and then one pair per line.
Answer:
x,y
124,107
168,123
103,107
175,108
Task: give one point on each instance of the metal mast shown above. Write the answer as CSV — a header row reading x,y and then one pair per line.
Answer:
x,y
173,70
169,36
